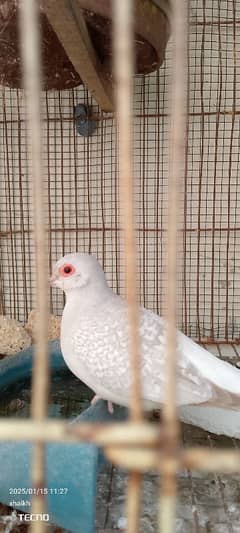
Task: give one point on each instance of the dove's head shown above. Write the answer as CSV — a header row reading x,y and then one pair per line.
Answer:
x,y
77,271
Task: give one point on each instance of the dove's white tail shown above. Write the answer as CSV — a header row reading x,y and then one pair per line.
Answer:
x,y
214,419
224,377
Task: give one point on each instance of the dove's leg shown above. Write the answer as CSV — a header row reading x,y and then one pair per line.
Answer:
x,y
110,404
95,399
110,407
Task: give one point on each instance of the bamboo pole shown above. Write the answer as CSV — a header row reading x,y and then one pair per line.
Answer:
x,y
124,71
30,40
176,165
103,434
137,446
123,67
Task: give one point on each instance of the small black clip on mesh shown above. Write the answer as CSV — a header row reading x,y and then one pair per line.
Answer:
x,y
85,123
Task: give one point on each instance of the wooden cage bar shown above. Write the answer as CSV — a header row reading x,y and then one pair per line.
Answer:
x,y
124,72
131,445
176,164
30,40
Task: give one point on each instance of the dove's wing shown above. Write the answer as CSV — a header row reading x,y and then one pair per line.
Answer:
x,y
201,377
103,342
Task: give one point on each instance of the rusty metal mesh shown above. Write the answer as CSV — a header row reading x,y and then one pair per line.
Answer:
x,y
82,179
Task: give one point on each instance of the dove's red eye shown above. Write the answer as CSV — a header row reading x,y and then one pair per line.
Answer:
x,y
66,270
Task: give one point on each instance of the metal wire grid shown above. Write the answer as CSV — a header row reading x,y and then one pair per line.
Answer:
x,y
82,182
214,167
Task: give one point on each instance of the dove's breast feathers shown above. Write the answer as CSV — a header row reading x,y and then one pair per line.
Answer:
x,y
95,346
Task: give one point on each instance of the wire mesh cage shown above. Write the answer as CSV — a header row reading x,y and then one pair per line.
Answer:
x,y
82,198
81,174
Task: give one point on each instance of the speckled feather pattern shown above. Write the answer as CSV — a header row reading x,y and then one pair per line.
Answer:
x,y
101,343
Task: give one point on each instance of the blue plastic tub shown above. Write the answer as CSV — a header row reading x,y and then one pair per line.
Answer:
x,y
71,469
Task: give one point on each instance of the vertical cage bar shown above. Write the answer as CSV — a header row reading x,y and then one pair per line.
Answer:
x,y
124,70
123,49
230,173
31,72
176,166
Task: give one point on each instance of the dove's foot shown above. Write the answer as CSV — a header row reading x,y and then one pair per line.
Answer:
x,y
109,404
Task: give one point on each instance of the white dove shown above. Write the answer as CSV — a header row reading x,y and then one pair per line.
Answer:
x,y
94,343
